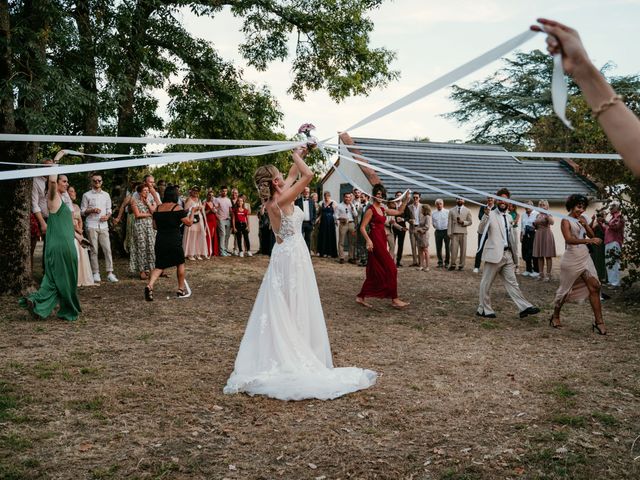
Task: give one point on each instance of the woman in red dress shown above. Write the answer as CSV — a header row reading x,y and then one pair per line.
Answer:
x,y
382,274
212,225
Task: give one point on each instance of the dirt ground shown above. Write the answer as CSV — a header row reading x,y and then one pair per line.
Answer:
x,y
134,389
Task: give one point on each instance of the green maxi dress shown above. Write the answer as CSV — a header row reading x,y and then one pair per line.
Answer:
x,y
59,285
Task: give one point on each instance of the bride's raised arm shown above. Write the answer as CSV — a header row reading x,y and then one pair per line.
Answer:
x,y
291,192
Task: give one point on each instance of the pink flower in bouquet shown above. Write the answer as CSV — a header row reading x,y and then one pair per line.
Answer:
x,y
306,128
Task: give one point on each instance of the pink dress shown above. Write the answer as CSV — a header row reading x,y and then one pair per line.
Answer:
x,y
194,241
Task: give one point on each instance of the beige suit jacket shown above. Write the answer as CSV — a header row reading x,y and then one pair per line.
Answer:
x,y
494,238
465,216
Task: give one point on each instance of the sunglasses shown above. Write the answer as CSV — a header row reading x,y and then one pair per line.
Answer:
x,y
97,181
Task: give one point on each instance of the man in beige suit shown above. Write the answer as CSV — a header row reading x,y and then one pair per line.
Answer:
x,y
499,258
459,219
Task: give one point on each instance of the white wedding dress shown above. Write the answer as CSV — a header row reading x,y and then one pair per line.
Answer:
x,y
285,352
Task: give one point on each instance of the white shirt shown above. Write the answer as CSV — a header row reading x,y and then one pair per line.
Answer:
x,y
527,220
306,208
347,212
505,226
440,219
39,197
415,212
96,199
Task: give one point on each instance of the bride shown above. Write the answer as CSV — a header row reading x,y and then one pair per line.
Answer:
x,y
285,352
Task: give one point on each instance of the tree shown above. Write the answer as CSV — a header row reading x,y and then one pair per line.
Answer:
x,y
513,108
90,66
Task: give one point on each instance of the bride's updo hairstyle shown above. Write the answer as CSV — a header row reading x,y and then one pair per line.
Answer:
x,y
263,178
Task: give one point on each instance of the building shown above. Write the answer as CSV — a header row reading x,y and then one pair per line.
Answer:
x,y
551,180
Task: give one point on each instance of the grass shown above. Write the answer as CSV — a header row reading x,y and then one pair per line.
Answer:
x,y
489,325
92,405
563,391
14,443
605,419
576,421
46,370
8,401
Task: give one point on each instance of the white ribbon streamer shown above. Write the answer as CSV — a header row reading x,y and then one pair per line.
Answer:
x,y
144,161
449,78
9,137
559,91
485,153
456,185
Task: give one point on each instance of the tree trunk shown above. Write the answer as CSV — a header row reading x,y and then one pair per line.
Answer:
x,y
15,240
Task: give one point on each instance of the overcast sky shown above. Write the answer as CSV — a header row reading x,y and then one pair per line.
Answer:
x,y
432,37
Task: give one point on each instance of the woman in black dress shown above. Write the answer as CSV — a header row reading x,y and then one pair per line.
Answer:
x,y
167,219
327,242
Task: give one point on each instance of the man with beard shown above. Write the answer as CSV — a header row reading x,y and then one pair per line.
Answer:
x,y
498,255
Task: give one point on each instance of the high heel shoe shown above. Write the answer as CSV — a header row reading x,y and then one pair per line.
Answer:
x,y
148,294
553,324
596,327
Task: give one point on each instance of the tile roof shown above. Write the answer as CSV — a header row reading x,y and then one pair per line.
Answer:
x,y
527,179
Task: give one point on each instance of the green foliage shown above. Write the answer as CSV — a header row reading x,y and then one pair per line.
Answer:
x,y
513,108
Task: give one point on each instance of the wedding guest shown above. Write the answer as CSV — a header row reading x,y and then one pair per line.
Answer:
x,y
421,231
59,284
346,214
96,207
527,236
389,227
499,259
459,219
400,231
142,255
382,274
267,237
478,259
414,209
235,194
515,217
440,222
223,205
168,249
327,243
307,205
161,187
125,210
597,250
153,196
316,223
85,277
578,275
213,246
361,244
613,240
544,245
619,123
194,239
39,211
240,227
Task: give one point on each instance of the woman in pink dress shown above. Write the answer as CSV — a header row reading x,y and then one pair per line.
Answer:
x,y
194,241
382,274
544,245
578,274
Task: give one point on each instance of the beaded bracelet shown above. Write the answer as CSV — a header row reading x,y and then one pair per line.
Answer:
x,y
596,112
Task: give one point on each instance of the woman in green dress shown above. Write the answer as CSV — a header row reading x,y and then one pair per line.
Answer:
x,y
59,285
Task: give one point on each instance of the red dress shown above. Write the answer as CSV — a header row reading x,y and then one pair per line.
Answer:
x,y
212,235
382,274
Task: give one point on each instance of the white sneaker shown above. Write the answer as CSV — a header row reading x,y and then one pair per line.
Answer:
x,y
235,253
112,278
241,254
476,270
249,254
525,274
534,275
96,277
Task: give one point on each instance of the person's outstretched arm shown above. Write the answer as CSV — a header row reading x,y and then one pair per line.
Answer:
x,y
619,123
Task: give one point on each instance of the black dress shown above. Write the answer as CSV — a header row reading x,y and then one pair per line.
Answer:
x,y
169,251
327,242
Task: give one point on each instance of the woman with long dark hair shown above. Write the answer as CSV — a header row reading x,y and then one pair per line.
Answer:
x,y
327,241
382,273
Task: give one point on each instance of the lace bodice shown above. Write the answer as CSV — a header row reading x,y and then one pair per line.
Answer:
x,y
290,225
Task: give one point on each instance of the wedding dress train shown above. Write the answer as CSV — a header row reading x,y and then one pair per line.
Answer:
x,y
285,352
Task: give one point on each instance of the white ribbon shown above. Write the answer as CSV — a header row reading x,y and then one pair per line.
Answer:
x,y
143,161
485,153
462,187
9,137
559,91
449,78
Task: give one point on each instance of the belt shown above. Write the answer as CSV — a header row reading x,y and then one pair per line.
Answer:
x,y
351,221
